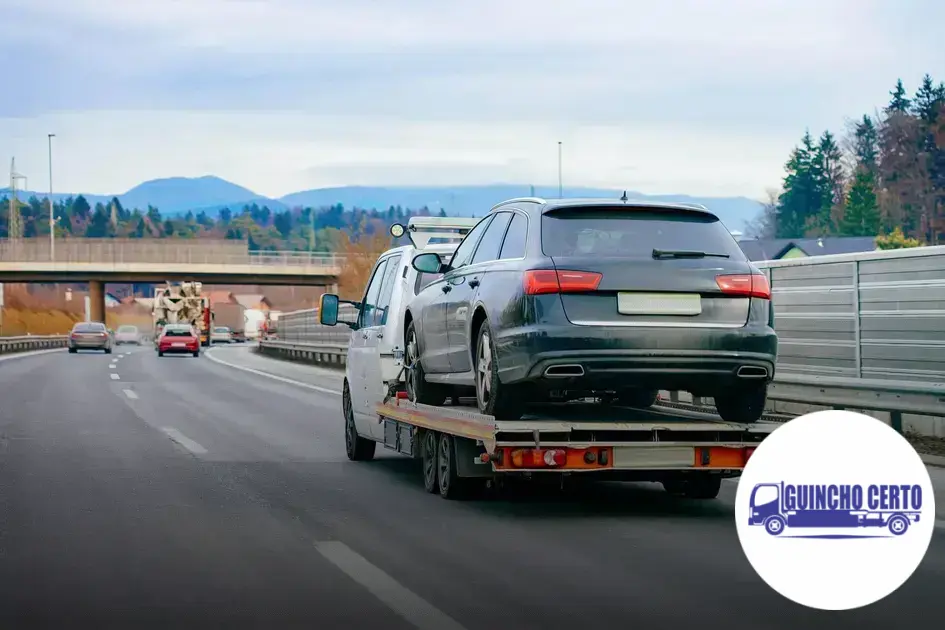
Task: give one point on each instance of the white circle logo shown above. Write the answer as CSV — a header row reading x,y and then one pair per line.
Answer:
x,y
835,510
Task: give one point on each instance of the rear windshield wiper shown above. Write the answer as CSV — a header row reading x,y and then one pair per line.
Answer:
x,y
683,253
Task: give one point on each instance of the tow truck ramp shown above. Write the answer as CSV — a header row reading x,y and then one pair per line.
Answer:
x,y
616,443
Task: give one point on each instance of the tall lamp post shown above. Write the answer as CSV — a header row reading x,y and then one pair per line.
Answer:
x,y
52,217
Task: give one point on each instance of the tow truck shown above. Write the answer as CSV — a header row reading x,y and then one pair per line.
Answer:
x,y
688,452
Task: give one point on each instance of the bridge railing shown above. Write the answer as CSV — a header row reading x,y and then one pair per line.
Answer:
x,y
156,251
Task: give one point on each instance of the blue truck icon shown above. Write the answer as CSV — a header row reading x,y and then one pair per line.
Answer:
x,y
777,506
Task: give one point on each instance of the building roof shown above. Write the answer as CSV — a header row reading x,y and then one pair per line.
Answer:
x,y
775,248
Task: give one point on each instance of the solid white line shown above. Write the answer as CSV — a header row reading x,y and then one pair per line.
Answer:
x,y
31,353
184,441
398,598
130,394
115,377
290,381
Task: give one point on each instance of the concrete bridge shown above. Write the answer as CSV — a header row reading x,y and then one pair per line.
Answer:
x,y
131,260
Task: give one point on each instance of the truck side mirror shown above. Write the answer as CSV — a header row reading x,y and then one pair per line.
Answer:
x,y
328,309
428,262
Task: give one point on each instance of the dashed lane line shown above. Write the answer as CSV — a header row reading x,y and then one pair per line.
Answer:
x,y
184,441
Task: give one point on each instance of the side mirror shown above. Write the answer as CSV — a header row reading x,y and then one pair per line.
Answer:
x,y
328,309
397,230
429,262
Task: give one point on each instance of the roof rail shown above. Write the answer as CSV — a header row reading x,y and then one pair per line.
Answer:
x,y
422,230
518,200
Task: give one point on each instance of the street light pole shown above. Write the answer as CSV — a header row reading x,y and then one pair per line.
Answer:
x,y
52,217
560,189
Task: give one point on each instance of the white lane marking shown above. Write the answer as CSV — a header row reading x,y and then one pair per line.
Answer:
x,y
184,441
115,377
130,394
398,598
113,366
290,381
31,353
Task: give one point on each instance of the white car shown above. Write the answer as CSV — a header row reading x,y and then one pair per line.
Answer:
x,y
221,334
128,334
375,356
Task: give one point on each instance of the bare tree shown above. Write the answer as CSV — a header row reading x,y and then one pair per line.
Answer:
x,y
766,224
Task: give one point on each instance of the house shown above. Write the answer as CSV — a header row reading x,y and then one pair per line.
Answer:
x,y
785,248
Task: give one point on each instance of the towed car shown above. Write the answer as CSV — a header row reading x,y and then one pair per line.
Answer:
x,y
559,300
178,339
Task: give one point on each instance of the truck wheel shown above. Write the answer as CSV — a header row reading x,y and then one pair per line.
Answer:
x,y
898,524
418,389
774,525
357,448
450,484
429,460
639,398
743,404
493,398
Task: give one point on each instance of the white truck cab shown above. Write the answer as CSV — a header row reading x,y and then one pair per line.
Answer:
x,y
376,348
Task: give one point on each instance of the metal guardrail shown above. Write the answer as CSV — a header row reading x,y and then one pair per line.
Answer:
x,y
893,397
9,345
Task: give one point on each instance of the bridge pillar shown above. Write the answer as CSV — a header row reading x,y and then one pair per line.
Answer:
x,y
332,288
97,301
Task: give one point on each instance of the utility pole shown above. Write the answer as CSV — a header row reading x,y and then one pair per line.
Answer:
x,y
16,225
560,188
52,214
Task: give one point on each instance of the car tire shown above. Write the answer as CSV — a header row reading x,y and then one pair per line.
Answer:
x,y
418,389
160,354
492,396
449,483
357,448
428,459
743,404
73,350
197,354
108,350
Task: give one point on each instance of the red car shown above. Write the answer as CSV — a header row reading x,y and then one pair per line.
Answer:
x,y
179,339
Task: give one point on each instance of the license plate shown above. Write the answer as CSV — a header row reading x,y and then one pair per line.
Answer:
x,y
659,303
179,345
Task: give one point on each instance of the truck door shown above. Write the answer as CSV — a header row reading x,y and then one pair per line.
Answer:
x,y
359,353
375,342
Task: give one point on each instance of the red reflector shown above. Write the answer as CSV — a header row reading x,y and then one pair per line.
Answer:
x,y
539,458
401,395
543,281
748,453
748,285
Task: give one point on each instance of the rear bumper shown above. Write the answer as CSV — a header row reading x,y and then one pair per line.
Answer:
x,y
172,350
698,360
89,345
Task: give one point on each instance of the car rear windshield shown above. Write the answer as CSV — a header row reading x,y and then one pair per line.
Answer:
x,y
89,328
632,233
221,329
178,332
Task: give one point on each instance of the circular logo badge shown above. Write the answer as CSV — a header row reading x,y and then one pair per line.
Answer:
x,y
835,510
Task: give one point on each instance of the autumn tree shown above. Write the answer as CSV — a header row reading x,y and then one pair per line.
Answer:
x,y
360,249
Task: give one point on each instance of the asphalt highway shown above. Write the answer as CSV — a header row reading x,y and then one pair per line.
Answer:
x,y
140,492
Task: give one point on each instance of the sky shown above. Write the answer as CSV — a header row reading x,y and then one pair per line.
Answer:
x,y
672,97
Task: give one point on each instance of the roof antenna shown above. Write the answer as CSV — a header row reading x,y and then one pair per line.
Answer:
x,y
624,198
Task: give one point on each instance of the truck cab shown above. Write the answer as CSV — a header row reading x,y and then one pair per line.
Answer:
x,y
375,356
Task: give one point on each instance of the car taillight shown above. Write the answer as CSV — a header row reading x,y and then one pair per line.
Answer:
x,y
748,285
542,281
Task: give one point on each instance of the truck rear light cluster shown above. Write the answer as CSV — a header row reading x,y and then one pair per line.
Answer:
x,y
545,281
539,458
562,458
747,285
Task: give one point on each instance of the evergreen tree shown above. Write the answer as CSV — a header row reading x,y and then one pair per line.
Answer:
x,y
899,104
861,214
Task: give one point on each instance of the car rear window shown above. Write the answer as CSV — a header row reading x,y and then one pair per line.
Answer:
x,y
631,232
221,329
178,332
424,280
87,328
127,329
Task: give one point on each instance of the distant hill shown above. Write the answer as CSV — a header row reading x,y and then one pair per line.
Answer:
x,y
177,195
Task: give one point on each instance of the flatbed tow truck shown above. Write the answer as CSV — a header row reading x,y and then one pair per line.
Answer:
x,y
688,452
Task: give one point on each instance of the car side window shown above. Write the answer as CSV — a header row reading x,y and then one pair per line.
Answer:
x,y
491,241
366,317
464,252
387,289
515,238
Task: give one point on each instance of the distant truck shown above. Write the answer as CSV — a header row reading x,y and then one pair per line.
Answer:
x,y
182,303
232,316
253,319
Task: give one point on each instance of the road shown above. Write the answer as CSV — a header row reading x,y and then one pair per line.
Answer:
x,y
180,492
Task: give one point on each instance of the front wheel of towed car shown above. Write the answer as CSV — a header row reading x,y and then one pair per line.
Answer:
x,y
742,404
418,389
493,397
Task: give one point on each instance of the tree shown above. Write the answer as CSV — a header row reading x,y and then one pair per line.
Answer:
x,y
899,104
861,214
802,195
896,240
766,225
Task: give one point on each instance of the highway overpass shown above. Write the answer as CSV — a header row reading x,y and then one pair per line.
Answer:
x,y
132,260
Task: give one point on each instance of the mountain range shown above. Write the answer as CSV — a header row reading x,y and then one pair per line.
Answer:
x,y
177,195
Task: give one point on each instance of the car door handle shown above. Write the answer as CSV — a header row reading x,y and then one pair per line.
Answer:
x,y
474,283
447,288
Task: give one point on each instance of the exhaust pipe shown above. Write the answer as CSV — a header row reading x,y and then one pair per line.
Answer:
x,y
751,371
564,371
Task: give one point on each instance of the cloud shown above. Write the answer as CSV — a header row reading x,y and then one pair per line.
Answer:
x,y
294,93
